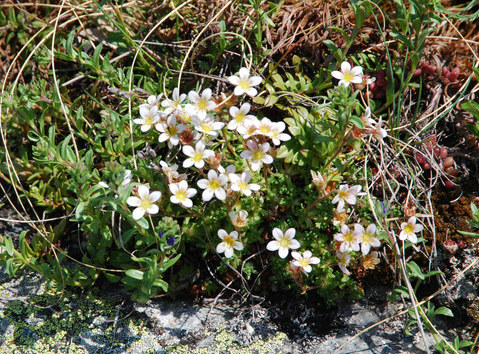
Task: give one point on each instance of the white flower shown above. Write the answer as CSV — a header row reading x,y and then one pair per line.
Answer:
x,y
170,171
366,118
127,176
277,134
265,126
207,125
304,261
283,242
240,116
244,83
181,194
241,183
185,115
257,154
173,105
196,155
343,262
346,195
213,186
367,237
229,170
230,242
154,100
248,128
170,130
348,239
201,104
348,75
144,203
409,230
378,132
239,220
149,117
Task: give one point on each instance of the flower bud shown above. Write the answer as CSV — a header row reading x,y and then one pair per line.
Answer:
x,y
450,246
318,179
448,162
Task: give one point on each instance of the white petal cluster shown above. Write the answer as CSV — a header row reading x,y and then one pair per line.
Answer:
x,y
229,243
144,202
245,83
348,75
257,154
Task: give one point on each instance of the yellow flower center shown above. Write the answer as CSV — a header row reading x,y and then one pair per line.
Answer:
x,y
343,194
244,84
409,229
284,243
202,104
229,240
258,155
181,195
172,131
148,121
264,129
303,262
349,237
347,76
206,127
239,117
145,203
251,130
367,237
242,185
214,184
197,157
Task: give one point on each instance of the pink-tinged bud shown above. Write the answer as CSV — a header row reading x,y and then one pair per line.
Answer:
x,y
426,166
451,171
445,71
420,158
437,151
450,184
450,246
430,146
443,153
417,72
448,162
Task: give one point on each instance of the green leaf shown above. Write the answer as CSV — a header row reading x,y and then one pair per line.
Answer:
x,y
444,311
69,44
341,31
470,234
143,223
472,107
414,270
113,278
168,263
474,210
162,284
406,330
135,274
9,246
